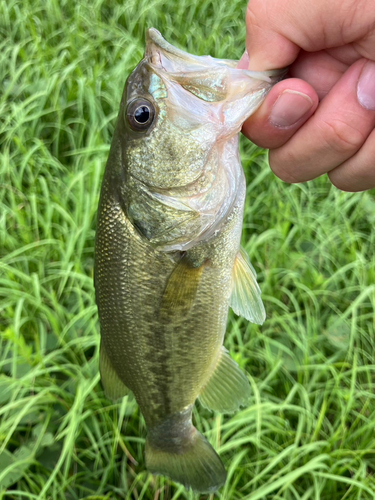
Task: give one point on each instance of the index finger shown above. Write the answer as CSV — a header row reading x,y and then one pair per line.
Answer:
x,y
277,30
267,48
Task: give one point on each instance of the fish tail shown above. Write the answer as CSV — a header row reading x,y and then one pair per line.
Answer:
x,y
189,460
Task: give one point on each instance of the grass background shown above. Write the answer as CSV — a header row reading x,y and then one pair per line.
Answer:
x,y
308,432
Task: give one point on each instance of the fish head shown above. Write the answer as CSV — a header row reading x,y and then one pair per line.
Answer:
x,y
169,129
177,131
175,108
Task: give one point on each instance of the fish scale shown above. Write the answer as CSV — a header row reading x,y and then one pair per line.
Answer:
x,y
167,262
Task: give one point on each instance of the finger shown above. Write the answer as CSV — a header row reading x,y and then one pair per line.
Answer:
x,y
337,130
288,105
243,63
266,45
357,173
276,31
320,69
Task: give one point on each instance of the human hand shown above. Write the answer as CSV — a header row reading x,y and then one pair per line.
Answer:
x,y
322,118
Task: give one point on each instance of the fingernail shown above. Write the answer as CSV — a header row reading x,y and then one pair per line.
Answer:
x,y
243,63
366,86
289,108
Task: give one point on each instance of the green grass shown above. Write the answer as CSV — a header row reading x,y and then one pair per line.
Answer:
x,y
308,432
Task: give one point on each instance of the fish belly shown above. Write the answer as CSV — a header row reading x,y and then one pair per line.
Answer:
x,y
163,360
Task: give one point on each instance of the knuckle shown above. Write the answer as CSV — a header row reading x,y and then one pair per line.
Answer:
x,y
258,16
252,17
284,170
342,136
336,180
342,181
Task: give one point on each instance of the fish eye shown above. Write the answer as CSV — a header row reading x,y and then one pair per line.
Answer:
x,y
140,114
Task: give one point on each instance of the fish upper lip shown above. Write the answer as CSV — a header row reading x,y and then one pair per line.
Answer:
x,y
155,43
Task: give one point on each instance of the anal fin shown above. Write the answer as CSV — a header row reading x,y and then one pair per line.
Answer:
x,y
228,387
245,299
112,385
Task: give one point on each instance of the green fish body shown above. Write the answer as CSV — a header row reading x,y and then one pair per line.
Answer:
x,y
168,262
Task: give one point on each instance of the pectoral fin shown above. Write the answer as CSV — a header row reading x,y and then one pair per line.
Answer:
x,y
245,299
113,387
181,290
228,387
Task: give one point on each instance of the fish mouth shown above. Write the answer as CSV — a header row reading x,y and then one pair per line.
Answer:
x,y
204,76
162,54
209,79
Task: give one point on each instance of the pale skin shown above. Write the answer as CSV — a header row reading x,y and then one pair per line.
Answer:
x,y
321,119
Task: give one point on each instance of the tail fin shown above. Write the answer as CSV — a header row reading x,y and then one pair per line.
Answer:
x,y
195,464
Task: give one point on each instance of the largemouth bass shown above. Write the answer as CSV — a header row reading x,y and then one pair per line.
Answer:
x,y
168,262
